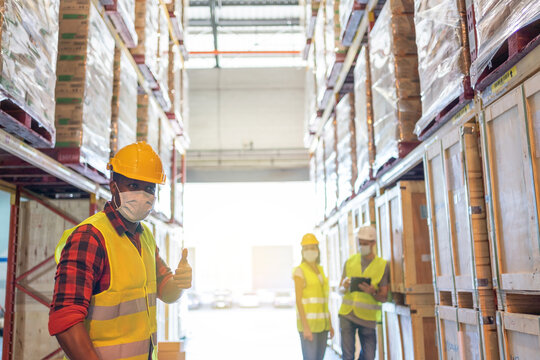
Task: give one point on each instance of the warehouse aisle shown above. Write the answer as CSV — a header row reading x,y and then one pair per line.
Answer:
x,y
244,334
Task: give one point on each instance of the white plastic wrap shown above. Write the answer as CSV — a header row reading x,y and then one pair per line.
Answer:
x,y
333,35
148,116
162,75
363,118
496,20
84,89
320,182
29,52
443,55
124,103
175,81
310,100
185,98
126,8
166,140
147,26
330,166
346,147
320,55
345,11
395,84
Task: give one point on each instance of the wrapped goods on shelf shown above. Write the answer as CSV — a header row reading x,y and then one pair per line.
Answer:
x,y
496,21
334,48
443,55
166,148
363,118
310,9
395,84
29,43
185,97
310,98
330,166
175,10
124,103
346,147
148,117
147,26
350,14
85,82
320,56
162,74
320,176
175,81
122,15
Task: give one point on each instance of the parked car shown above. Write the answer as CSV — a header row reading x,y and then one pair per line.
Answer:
x,y
284,299
222,299
194,301
249,300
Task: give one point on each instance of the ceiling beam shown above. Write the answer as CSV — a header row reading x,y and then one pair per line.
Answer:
x,y
243,22
213,23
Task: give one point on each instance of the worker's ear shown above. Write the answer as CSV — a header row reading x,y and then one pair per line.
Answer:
x,y
115,194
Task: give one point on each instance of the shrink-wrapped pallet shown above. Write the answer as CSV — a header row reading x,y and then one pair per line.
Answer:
x,y
85,82
162,74
443,55
395,83
147,26
124,103
175,81
310,99
346,147
185,97
496,20
363,118
320,56
330,166
122,15
29,51
320,176
166,147
334,48
148,117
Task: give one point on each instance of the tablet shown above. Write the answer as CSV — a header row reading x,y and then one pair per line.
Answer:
x,y
355,281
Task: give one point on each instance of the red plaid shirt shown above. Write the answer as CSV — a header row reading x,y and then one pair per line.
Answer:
x,y
83,271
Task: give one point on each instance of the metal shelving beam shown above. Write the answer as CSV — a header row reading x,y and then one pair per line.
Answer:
x,y
245,22
205,3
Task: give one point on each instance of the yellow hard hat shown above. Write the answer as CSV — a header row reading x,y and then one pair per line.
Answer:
x,y
309,239
138,161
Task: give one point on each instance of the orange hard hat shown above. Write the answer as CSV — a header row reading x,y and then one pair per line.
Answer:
x,y
138,161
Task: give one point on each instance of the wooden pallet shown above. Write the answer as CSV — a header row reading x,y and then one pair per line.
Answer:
x,y
15,120
515,48
129,37
409,332
466,334
519,335
403,237
71,157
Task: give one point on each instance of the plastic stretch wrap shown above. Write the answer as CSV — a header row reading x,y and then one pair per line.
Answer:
x,y
320,181
345,11
320,55
126,8
330,166
162,75
175,6
185,98
363,118
395,83
346,147
496,20
85,82
333,35
175,81
124,103
166,140
178,195
310,98
309,10
148,116
443,55
147,26
29,52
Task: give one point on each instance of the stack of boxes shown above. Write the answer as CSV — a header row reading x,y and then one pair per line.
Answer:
x,y
148,118
320,58
330,167
166,142
335,51
147,26
175,82
122,15
346,148
85,82
395,83
162,72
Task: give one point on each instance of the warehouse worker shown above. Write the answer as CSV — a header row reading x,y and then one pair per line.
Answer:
x,y
361,307
311,287
110,272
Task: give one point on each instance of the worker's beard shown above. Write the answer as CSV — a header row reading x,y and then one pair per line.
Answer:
x,y
135,206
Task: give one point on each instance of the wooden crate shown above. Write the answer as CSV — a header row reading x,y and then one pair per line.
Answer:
x,y
466,334
403,237
409,332
461,253
519,336
510,153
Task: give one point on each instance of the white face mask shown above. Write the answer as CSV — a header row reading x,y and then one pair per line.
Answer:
x,y
310,255
135,206
365,250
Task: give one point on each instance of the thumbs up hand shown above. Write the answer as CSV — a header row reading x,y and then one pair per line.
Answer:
x,y
183,276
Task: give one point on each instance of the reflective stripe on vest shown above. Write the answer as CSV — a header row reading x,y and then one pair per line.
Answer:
x,y
363,305
122,320
314,300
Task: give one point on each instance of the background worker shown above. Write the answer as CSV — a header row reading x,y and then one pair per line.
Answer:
x,y
311,288
109,270
361,307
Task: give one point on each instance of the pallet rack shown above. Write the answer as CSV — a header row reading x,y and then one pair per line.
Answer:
x,y
30,173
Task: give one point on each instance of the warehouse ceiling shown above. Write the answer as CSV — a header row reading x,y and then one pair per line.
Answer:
x,y
245,33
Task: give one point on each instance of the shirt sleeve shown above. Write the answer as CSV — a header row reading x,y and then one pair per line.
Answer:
x,y
80,268
386,276
163,272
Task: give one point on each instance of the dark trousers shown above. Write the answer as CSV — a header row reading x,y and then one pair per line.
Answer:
x,y
314,350
368,340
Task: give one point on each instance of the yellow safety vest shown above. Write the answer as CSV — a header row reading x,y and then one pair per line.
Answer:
x,y
364,305
315,300
121,320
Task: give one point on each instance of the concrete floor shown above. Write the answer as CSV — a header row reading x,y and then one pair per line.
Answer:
x,y
244,334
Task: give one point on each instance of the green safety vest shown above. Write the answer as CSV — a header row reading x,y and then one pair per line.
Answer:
x,y
315,300
363,305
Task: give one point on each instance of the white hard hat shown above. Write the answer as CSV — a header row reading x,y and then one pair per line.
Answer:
x,y
367,233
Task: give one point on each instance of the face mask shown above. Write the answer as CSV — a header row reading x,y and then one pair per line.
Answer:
x,y
310,255
365,250
136,205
